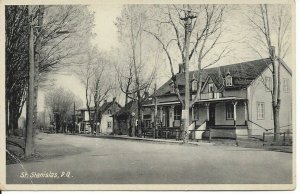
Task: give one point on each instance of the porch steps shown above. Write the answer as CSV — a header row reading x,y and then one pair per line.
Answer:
x,y
224,133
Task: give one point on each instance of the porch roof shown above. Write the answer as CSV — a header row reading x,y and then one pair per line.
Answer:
x,y
221,99
200,101
162,103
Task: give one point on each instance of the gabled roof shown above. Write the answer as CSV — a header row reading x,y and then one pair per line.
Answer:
x,y
165,88
127,109
107,105
131,107
242,73
103,107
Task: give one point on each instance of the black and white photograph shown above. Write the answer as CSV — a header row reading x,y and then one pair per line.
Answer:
x,y
141,95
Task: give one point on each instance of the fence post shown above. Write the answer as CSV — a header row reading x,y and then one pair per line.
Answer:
x,y
284,137
263,138
209,137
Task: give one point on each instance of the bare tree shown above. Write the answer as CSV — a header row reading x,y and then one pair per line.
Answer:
x,y
16,61
60,102
205,33
130,27
95,77
272,37
55,28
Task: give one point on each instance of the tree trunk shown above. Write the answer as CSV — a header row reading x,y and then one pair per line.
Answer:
x,y
275,93
155,115
29,149
139,126
96,121
133,126
7,115
187,81
127,120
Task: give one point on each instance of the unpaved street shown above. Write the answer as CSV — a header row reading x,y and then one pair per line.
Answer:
x,y
112,161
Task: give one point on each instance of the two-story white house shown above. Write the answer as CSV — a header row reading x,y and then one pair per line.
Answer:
x,y
235,97
106,110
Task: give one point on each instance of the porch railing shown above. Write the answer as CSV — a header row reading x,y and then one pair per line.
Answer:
x,y
211,95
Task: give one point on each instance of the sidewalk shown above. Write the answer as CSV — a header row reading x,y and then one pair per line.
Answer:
x,y
124,137
242,143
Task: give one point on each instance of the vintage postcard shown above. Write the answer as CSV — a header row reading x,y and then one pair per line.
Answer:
x,y
147,95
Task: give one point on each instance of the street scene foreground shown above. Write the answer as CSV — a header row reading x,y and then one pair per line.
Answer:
x,y
79,159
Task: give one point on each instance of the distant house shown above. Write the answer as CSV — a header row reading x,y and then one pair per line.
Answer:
x,y
107,109
123,117
234,97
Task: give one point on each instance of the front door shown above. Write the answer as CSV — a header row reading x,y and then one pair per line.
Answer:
x,y
167,117
212,109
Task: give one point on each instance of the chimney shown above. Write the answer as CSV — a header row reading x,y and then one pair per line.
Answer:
x,y
105,101
146,94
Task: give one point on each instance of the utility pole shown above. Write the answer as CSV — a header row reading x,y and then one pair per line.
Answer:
x,y
74,130
155,112
185,112
44,119
29,149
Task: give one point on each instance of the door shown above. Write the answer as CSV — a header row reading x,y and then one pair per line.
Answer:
x,y
212,114
167,117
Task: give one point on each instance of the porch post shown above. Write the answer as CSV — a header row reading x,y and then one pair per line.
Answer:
x,y
152,114
234,112
193,118
161,114
207,111
246,113
171,116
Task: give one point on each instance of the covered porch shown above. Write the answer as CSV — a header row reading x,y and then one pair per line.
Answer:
x,y
224,117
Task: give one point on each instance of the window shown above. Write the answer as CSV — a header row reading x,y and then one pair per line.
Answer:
x,y
228,80
194,85
260,110
109,111
229,111
92,115
268,84
147,124
210,87
285,85
172,88
177,113
108,124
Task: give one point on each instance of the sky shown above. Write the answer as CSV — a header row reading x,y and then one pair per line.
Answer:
x,y
107,38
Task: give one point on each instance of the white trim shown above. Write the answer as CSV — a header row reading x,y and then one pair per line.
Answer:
x,y
162,103
208,100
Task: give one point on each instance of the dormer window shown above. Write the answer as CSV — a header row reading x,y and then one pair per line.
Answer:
x,y
194,85
228,80
210,87
172,87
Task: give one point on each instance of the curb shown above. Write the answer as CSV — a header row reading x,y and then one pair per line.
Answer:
x,y
149,140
